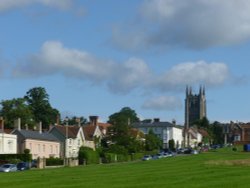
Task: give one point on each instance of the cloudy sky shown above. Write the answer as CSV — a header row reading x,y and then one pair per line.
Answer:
x,y
95,57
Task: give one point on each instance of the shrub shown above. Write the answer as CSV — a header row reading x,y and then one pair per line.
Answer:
x,y
54,161
88,155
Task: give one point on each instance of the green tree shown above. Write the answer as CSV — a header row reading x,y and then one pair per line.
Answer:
x,y
120,133
152,141
38,101
16,108
171,144
122,120
217,132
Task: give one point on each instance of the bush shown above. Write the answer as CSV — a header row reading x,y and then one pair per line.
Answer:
x,y
54,161
88,155
22,157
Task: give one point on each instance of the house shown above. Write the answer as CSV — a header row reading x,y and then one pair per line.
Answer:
x,y
8,142
236,133
94,132
71,139
194,137
41,144
93,120
164,130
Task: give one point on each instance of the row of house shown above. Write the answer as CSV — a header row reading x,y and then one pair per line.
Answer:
x,y
64,141
170,131
59,141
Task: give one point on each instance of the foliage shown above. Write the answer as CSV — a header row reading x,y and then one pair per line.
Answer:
x,y
20,157
152,141
74,121
16,108
120,134
122,120
54,161
217,133
171,144
38,101
27,155
88,155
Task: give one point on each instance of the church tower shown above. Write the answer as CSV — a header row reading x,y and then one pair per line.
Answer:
x,y
195,108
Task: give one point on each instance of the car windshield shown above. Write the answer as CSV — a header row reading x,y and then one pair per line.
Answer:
x,y
6,166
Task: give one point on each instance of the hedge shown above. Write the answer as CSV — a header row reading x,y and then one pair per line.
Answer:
x,y
89,156
10,157
54,161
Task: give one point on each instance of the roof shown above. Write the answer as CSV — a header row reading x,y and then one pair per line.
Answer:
x,y
72,130
89,131
28,134
104,125
155,124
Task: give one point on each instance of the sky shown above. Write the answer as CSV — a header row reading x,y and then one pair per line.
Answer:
x,y
95,57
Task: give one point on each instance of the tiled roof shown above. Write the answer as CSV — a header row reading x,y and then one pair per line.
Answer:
x,y
72,130
104,125
28,134
89,132
155,124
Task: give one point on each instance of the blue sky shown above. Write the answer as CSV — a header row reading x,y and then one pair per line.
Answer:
x,y
96,57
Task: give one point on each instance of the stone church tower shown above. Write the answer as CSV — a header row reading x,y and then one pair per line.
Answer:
x,y
195,109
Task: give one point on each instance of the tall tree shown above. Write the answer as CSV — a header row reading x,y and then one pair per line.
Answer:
x,y
120,130
122,120
152,141
16,108
38,101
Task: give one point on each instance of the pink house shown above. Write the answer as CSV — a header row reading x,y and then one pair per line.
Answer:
x,y
41,144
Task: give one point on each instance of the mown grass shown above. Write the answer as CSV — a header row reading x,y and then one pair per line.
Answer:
x,y
183,171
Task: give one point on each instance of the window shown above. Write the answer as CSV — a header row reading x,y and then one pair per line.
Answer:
x,y
39,148
51,149
43,148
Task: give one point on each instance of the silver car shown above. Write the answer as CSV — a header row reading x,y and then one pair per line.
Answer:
x,y
8,168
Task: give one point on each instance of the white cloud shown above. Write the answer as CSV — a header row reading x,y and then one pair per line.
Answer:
x,y
11,4
195,24
193,73
133,74
169,103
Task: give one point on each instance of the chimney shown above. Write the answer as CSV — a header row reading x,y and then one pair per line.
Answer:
x,y
17,124
2,124
26,127
40,127
93,120
156,120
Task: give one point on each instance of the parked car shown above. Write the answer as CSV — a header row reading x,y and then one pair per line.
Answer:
x,y
8,168
146,158
34,163
23,166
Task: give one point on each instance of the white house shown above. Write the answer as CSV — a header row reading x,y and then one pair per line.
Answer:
x,y
71,139
164,130
8,142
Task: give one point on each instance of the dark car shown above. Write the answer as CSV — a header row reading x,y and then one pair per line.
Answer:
x,y
23,166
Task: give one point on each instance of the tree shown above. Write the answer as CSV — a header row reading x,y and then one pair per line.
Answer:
x,y
75,120
38,101
122,120
152,141
120,133
171,144
16,108
202,123
217,132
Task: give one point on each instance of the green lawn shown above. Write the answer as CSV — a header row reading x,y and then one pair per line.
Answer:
x,y
185,171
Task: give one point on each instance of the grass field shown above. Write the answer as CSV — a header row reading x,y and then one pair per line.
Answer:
x,y
224,168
